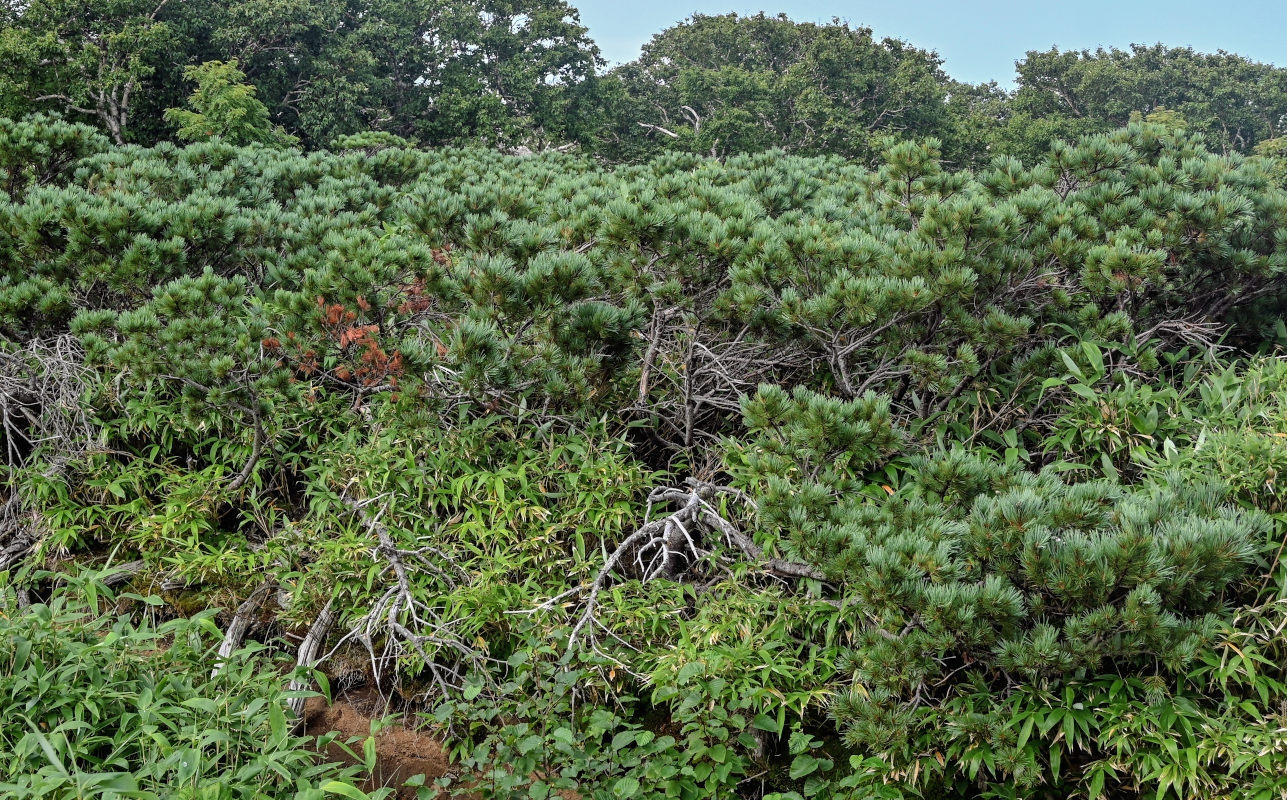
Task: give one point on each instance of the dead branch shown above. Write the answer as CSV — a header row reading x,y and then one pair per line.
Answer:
x,y
658,129
665,548
694,376
123,573
693,117
240,626
308,649
404,621
42,422
41,384
1193,330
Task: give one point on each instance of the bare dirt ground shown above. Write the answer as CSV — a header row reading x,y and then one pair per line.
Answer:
x,y
400,752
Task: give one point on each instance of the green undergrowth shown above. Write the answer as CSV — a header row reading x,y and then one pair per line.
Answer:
x,y
108,695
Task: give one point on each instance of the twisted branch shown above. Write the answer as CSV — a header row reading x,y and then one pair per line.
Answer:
x,y
42,420
664,548
407,621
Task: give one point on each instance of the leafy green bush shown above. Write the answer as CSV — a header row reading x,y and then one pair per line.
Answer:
x,y
96,704
698,735
1237,432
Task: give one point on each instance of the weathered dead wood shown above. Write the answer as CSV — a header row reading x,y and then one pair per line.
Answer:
x,y
15,542
693,376
122,573
666,548
42,422
240,625
111,575
308,656
403,621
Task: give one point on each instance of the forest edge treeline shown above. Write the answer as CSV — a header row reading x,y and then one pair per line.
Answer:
x,y
527,75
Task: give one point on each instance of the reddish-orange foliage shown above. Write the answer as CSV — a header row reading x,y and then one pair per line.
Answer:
x,y
363,360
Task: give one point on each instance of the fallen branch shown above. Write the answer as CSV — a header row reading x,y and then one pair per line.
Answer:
x,y
123,573
408,622
240,626
666,547
308,649
14,542
110,575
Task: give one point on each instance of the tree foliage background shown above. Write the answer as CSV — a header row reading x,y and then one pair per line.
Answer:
x,y
527,75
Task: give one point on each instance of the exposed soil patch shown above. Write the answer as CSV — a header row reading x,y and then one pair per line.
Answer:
x,y
400,752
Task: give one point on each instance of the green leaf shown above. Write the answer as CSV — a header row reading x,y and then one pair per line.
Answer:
x,y
564,735
50,753
277,722
368,753
21,649
203,704
689,671
1094,356
529,743
345,790
1082,390
803,764
1097,785
766,723
1072,366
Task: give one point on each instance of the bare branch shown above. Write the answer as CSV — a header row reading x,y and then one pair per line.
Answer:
x,y
404,620
43,423
658,129
664,548
308,649
241,622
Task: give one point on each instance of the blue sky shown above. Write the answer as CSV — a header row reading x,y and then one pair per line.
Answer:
x,y
980,40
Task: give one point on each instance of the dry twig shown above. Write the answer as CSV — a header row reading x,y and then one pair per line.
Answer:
x,y
42,421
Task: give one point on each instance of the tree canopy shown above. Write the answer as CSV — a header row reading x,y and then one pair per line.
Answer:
x,y
527,75
727,84
1235,102
222,105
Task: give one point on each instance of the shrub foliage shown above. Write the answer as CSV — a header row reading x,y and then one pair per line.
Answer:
x,y
769,476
